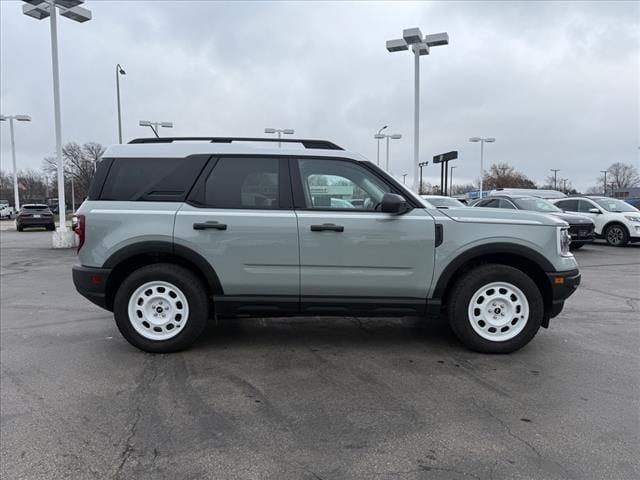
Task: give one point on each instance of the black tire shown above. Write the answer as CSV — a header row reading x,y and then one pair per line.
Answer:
x,y
51,227
616,235
20,228
185,280
463,291
575,246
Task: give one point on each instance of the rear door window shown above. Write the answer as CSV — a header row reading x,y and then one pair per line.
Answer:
x,y
568,205
243,182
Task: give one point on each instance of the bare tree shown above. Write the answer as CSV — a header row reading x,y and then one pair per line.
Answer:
x,y
503,175
79,163
6,186
31,186
621,175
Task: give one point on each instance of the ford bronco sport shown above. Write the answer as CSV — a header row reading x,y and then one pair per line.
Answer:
x,y
177,230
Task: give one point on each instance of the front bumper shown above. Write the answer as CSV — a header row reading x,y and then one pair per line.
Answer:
x,y
581,233
563,285
91,283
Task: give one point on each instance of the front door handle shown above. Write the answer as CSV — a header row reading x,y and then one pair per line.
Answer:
x,y
209,225
327,227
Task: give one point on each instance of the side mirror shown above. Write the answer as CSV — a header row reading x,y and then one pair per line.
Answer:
x,y
392,203
594,210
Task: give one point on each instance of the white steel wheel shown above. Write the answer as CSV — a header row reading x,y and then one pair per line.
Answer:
x,y
498,311
158,310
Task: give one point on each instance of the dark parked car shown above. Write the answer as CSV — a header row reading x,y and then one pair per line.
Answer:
x,y
35,215
580,227
634,202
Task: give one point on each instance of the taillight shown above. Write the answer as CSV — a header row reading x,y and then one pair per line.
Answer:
x,y
80,230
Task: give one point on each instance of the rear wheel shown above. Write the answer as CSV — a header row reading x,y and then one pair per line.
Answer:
x,y
575,246
161,308
51,227
20,228
616,235
495,309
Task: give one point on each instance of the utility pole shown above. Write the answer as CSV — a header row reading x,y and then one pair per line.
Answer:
x,y
404,178
555,177
605,182
422,164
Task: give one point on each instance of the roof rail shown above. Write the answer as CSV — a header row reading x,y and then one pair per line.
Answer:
x,y
317,144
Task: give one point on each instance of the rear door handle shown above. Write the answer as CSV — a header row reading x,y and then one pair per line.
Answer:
x,y
209,225
327,227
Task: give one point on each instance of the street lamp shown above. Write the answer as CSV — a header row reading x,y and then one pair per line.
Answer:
x,y
11,118
420,46
555,177
482,142
378,137
280,131
154,125
451,181
41,9
421,165
404,178
393,136
119,71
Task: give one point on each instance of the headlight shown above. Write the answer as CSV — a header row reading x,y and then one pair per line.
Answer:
x,y
564,240
632,218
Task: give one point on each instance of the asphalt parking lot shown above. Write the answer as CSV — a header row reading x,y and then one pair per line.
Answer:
x,y
328,398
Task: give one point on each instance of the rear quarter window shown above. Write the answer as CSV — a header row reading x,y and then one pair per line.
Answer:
x,y
151,179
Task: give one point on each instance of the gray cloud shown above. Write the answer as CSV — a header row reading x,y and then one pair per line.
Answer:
x,y
557,83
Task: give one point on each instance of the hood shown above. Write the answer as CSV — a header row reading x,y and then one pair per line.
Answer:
x,y
501,215
572,218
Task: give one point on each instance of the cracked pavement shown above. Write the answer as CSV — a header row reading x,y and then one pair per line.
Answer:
x,y
323,398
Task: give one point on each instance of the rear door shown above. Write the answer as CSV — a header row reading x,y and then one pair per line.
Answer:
x,y
351,254
239,217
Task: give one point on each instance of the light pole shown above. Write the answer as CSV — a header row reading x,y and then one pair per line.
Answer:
x,y
393,136
280,131
154,125
451,181
482,142
404,178
555,177
605,182
40,9
11,118
422,164
420,46
379,137
119,71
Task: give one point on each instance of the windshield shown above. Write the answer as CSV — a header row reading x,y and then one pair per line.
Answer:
x,y
444,202
535,204
613,205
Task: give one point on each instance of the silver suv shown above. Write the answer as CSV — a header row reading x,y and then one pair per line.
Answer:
x,y
178,230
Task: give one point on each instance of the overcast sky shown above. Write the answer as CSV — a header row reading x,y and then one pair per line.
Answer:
x,y
556,83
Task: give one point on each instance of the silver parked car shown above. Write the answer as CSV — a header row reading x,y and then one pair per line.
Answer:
x,y
174,232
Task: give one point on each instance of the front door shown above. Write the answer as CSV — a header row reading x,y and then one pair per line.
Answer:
x,y
350,252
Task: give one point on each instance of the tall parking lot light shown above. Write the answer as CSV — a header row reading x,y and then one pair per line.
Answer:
x,y
154,125
41,9
420,46
119,71
392,136
482,142
11,118
280,131
378,136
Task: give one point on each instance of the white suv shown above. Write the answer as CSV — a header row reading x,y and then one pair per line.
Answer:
x,y
615,221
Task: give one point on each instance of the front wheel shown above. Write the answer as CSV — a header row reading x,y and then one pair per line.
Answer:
x,y
161,308
616,235
495,309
